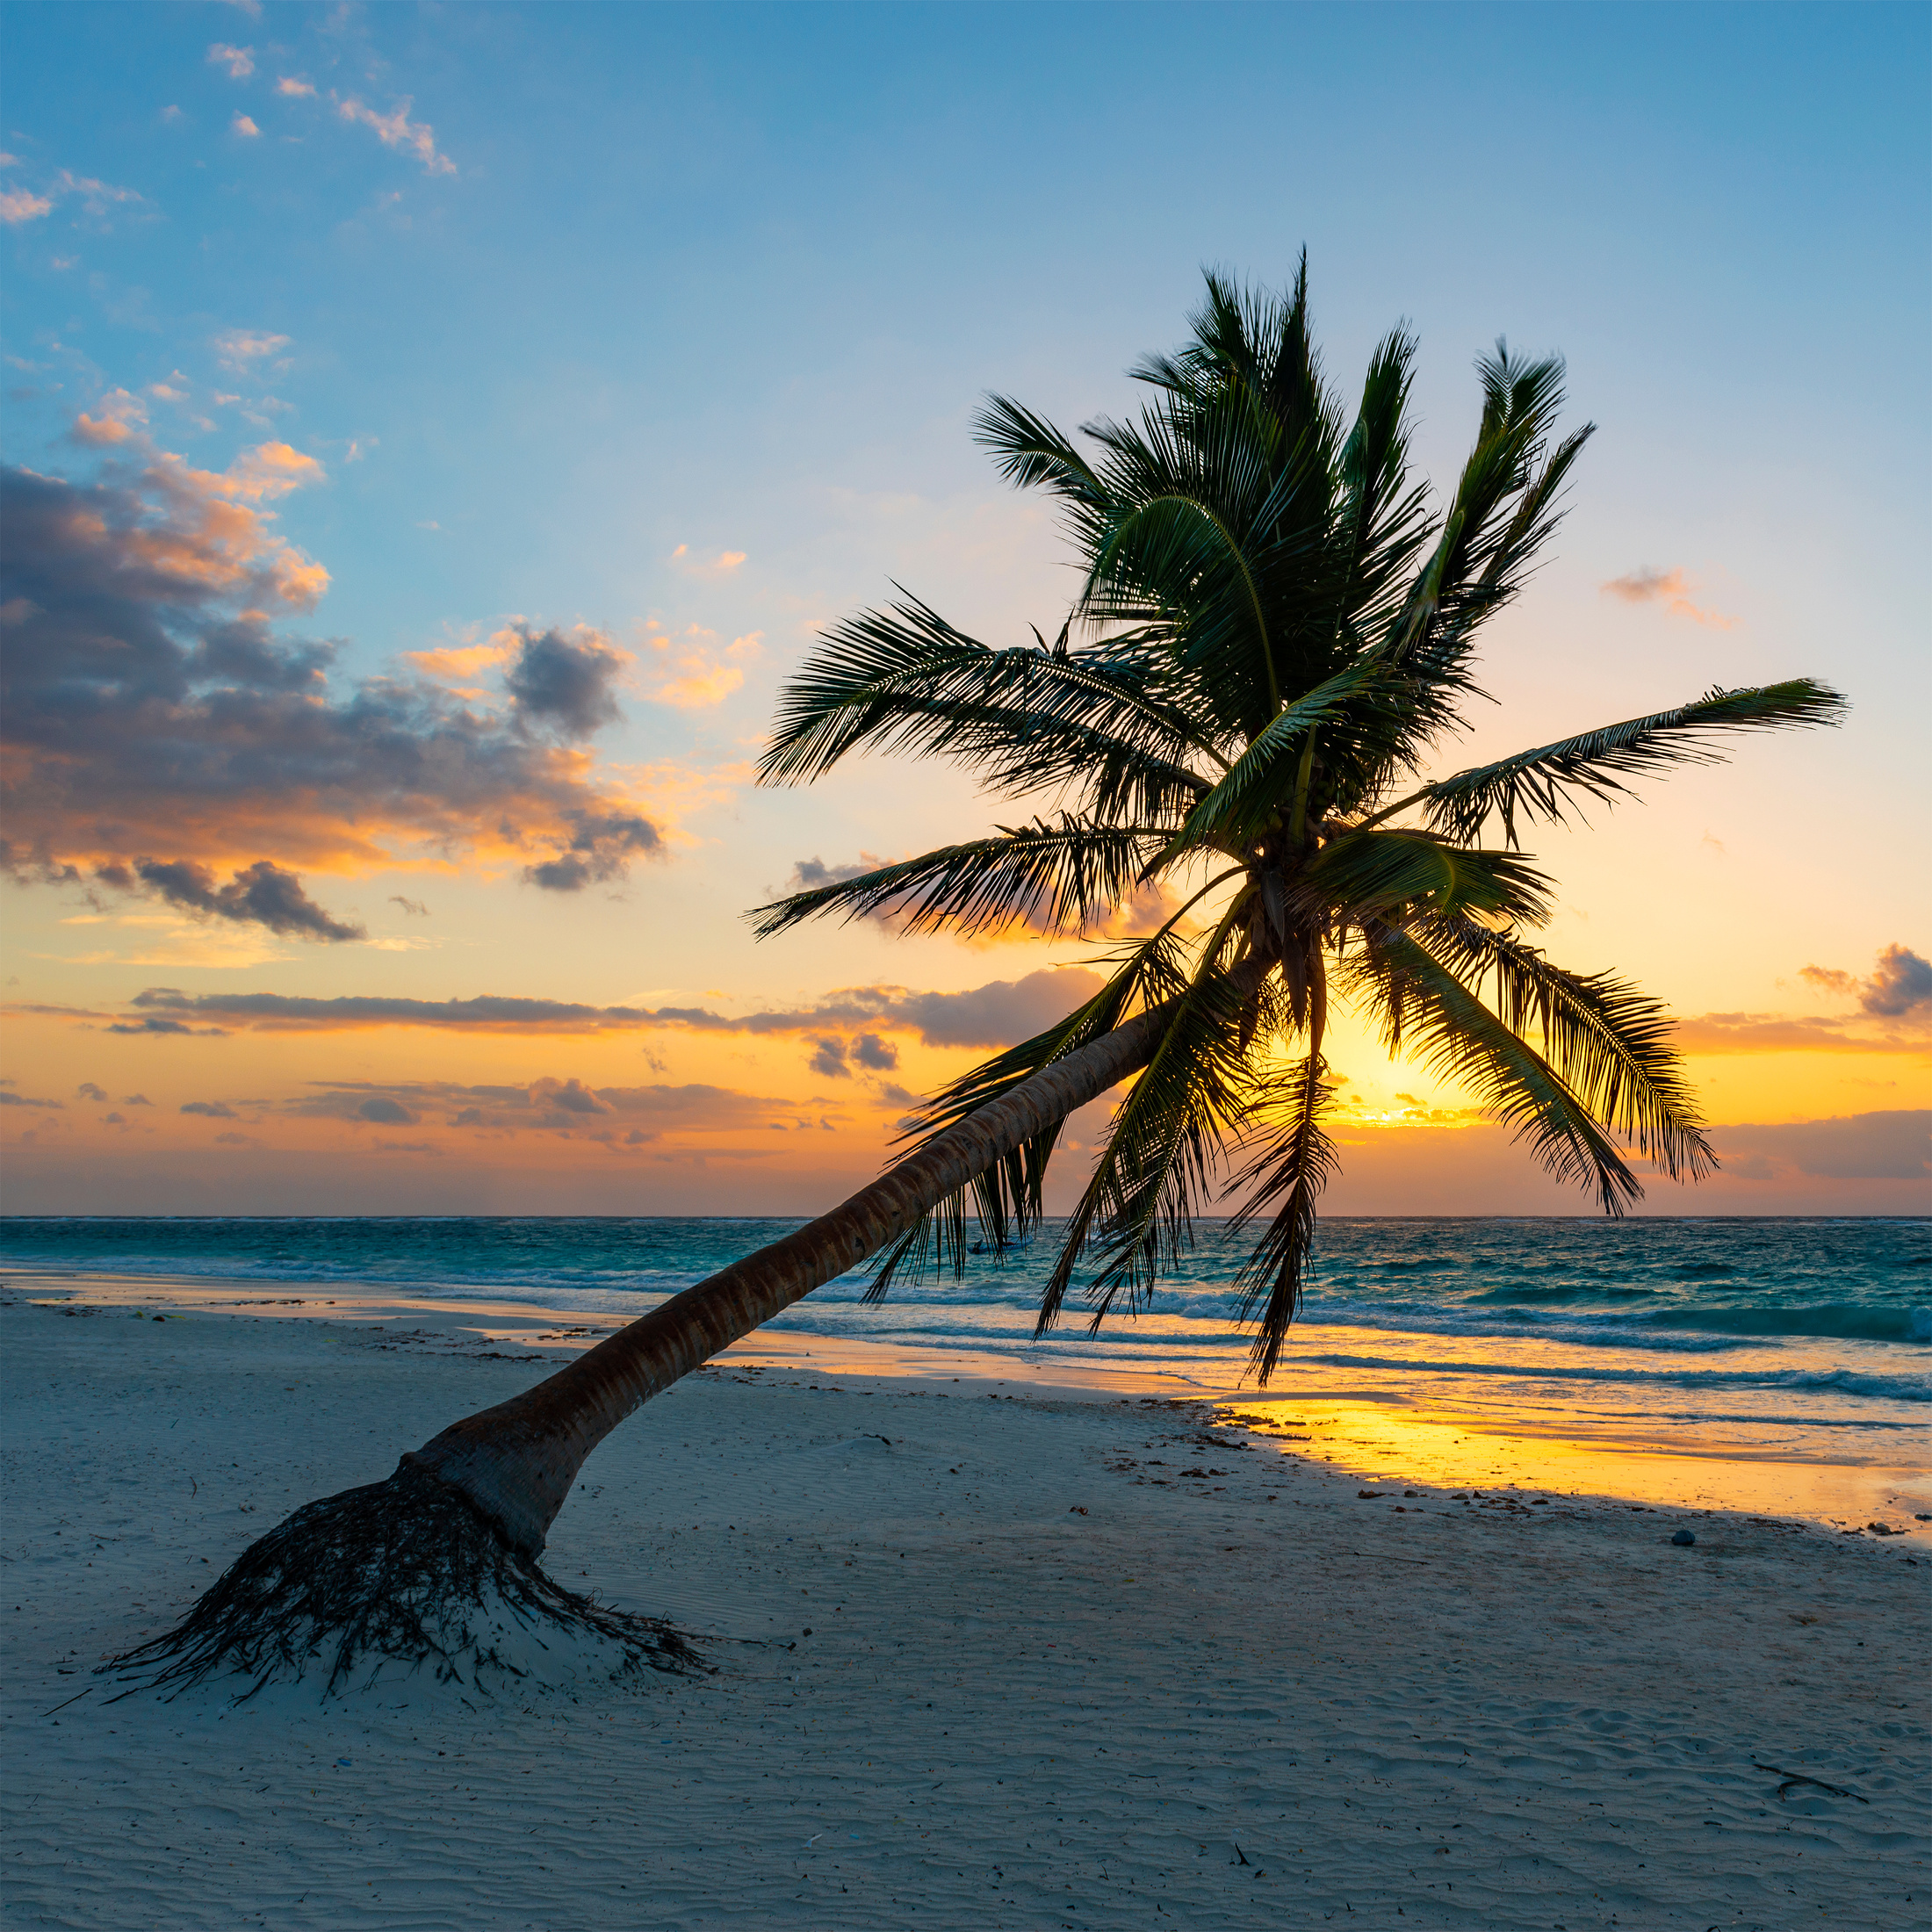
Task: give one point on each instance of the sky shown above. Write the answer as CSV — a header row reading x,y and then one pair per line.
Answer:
x,y
432,435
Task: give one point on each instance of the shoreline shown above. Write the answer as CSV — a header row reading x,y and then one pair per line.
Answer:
x,y
977,1654
1370,1433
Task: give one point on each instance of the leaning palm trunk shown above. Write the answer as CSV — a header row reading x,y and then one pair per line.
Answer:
x,y
436,1566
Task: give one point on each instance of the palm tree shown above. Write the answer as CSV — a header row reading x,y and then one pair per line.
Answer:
x,y
1273,637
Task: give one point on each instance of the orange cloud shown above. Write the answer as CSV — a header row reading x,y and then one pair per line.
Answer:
x,y
18,205
121,416
241,348
1729,1032
995,1014
688,672
1670,587
395,129
720,566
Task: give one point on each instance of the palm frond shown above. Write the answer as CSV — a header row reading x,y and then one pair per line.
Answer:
x,y
1425,1009
1060,878
1163,1145
1263,779
1027,719
1288,1168
1612,1044
1381,874
1547,783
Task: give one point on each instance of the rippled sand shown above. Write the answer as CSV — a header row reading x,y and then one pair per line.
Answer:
x,y
1070,1662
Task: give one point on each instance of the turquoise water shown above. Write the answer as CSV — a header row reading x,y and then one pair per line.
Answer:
x,y
1795,1323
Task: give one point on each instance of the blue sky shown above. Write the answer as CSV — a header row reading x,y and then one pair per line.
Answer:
x,y
568,306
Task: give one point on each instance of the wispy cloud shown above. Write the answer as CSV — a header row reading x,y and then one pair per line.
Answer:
x,y
237,62
244,125
688,672
720,566
19,205
242,350
995,1014
97,198
296,90
1672,589
395,129
1895,1145
615,1116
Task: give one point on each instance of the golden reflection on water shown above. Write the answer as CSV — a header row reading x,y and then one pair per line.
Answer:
x,y
1391,1442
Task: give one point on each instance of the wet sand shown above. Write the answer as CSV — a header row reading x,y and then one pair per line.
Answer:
x,y
1885,1480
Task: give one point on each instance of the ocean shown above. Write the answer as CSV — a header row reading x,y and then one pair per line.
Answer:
x,y
1787,1342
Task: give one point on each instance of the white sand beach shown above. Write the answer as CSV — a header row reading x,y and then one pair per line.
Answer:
x,y
1057,1659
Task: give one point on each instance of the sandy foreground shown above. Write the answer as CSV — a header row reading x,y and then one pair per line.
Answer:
x,y
979,1661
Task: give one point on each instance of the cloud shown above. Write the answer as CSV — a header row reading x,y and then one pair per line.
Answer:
x,y
571,1096
241,348
613,1115
18,205
154,1023
238,62
1887,1146
808,875
9,1098
300,89
96,197
215,1110
1728,1033
828,1058
415,908
720,566
1670,587
564,684
1902,984
262,893
152,712
1898,992
244,125
122,417
22,205
87,1091
1000,1013
687,673
994,1015
395,129
876,1054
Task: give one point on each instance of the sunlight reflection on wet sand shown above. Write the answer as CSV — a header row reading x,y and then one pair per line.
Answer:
x,y
1380,1432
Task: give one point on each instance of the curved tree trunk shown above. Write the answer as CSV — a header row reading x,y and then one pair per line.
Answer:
x,y
516,1462
436,1566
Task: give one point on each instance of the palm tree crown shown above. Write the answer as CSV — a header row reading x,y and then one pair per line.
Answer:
x,y
1273,635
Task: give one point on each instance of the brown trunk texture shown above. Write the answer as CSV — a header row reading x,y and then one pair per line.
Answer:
x,y
518,1461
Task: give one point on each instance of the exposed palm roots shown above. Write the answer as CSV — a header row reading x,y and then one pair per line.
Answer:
x,y
401,1577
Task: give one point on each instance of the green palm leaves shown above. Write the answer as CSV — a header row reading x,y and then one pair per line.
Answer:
x,y
1272,637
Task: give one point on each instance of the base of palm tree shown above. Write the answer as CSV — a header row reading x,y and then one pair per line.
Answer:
x,y
405,1578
